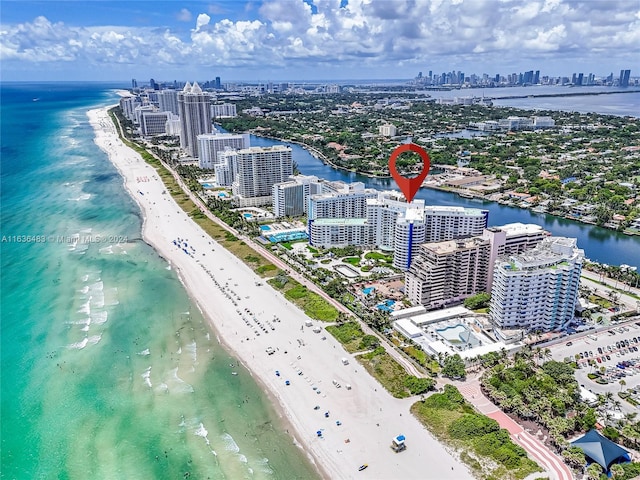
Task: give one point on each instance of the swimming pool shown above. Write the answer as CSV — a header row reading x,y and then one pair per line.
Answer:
x,y
287,236
458,334
265,228
247,215
368,290
207,185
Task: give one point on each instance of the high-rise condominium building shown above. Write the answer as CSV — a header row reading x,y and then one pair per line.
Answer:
x,y
259,169
195,117
340,200
210,144
290,197
168,101
448,223
537,289
224,110
154,123
391,224
511,239
444,273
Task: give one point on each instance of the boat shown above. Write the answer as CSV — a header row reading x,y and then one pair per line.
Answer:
x,y
234,373
362,467
465,195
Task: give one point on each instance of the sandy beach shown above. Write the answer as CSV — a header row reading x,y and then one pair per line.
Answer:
x,y
248,316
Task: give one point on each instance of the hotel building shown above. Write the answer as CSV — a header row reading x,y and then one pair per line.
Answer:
x,y
445,273
290,198
537,289
211,144
258,170
447,223
194,108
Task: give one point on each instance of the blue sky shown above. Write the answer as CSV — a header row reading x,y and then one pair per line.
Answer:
x,y
319,39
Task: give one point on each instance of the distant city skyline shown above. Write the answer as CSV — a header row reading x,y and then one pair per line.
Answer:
x,y
278,40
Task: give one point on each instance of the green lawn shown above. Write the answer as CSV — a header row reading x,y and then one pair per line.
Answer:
x,y
311,303
355,261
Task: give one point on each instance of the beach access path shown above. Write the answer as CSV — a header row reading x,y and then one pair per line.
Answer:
x,y
537,450
234,299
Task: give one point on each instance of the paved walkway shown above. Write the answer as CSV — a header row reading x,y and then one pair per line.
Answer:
x,y
534,447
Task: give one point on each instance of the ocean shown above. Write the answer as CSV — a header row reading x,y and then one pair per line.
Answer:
x,y
108,370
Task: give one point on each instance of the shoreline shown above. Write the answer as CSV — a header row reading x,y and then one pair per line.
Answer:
x,y
369,417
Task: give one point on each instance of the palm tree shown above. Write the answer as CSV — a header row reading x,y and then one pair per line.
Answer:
x,y
622,383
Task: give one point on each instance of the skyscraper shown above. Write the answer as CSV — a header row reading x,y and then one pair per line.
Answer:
x,y
194,108
537,289
445,273
210,144
624,77
259,169
168,101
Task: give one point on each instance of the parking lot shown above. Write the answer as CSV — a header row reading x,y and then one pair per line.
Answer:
x,y
615,353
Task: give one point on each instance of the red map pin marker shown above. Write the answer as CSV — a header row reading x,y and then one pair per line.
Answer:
x,y
409,186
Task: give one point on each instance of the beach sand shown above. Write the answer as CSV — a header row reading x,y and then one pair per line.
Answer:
x,y
370,417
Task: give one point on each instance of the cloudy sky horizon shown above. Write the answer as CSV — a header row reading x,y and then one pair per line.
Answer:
x,y
272,40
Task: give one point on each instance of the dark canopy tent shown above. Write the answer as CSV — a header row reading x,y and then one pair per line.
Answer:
x,y
600,449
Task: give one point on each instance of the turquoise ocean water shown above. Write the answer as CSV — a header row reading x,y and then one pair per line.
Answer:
x,y
108,370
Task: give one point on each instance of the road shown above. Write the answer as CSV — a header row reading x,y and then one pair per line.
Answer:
x,y
593,280
197,200
471,390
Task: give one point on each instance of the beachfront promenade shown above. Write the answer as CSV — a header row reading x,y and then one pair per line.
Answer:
x,y
362,420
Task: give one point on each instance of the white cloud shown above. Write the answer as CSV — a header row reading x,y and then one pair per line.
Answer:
x,y
363,34
184,15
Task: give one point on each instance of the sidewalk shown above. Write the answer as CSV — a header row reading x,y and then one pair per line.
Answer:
x,y
535,448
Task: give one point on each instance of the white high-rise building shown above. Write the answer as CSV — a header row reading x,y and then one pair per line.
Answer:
x,y
194,108
339,232
154,123
259,169
128,105
224,110
537,289
448,223
168,101
387,130
342,200
394,225
226,167
511,239
290,198
210,144
408,235
445,273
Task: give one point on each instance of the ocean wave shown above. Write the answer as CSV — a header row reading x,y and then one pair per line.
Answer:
x,y
263,465
180,386
147,377
192,348
78,345
99,318
86,307
230,444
